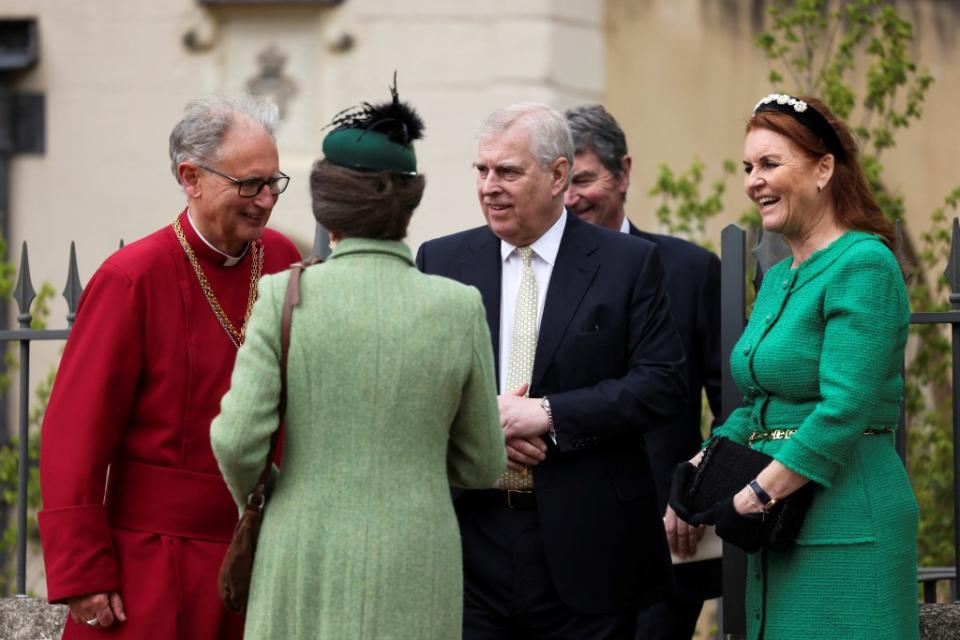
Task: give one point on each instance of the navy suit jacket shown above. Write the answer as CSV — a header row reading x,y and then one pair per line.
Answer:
x,y
692,279
693,284
610,359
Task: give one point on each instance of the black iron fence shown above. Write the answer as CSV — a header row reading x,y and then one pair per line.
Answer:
x,y
769,250
23,295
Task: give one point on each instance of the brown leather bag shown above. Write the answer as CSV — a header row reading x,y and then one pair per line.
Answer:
x,y
237,567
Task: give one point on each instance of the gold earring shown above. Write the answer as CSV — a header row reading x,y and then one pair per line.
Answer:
x,y
333,243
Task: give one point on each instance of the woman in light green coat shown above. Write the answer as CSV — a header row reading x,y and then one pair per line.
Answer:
x,y
819,368
392,401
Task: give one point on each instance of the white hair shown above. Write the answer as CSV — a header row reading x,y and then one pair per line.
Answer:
x,y
550,136
199,134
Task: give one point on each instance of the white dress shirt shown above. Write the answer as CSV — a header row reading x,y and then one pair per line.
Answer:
x,y
544,256
228,260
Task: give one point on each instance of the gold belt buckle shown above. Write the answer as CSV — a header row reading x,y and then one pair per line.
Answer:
x,y
772,434
786,434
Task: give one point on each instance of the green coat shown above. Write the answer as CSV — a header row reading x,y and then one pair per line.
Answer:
x,y
392,400
822,353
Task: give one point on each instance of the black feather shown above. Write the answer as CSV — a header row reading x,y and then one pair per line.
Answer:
x,y
397,120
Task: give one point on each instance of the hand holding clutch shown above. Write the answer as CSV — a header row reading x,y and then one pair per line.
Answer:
x,y
742,530
684,477
703,494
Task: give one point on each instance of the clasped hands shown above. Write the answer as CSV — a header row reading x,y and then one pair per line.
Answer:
x,y
524,422
97,609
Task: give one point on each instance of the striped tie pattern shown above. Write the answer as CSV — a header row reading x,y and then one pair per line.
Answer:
x,y
523,348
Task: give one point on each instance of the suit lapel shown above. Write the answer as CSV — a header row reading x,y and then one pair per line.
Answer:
x,y
480,267
572,275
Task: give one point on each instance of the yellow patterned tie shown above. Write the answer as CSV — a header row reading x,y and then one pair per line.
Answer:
x,y
523,348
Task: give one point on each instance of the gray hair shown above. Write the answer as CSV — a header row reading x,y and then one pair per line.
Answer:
x,y
594,129
549,133
199,134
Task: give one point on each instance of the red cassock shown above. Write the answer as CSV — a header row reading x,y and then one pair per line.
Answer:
x,y
133,500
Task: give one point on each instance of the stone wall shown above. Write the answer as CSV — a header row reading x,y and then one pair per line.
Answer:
x,y
23,618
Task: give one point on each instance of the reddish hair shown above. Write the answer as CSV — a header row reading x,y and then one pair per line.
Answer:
x,y
853,201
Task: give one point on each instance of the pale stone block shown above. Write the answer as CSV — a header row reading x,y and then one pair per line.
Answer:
x,y
293,35
442,52
579,10
589,12
521,50
578,58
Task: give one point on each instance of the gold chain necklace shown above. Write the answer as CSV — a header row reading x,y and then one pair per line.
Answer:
x,y
256,268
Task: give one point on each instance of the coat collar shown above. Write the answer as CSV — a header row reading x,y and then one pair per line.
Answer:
x,y
352,247
204,251
820,260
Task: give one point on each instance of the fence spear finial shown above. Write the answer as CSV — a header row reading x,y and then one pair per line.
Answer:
x,y
24,293
73,288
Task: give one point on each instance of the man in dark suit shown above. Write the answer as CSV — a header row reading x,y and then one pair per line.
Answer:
x,y
572,541
601,178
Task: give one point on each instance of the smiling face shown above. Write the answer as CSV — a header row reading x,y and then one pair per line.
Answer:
x,y
225,218
595,194
782,181
520,200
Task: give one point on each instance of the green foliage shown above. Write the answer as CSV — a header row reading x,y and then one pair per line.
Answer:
x,y
854,55
6,272
689,216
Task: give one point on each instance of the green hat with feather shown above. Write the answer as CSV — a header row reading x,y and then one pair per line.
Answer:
x,y
375,137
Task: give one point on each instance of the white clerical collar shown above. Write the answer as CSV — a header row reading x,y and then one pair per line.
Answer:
x,y
625,225
228,260
546,246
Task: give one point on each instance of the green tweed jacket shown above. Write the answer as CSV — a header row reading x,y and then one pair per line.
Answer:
x,y
392,400
822,354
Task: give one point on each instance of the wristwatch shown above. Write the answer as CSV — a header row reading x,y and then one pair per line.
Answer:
x,y
545,404
765,499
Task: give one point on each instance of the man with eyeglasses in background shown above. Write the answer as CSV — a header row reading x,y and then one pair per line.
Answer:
x,y
136,517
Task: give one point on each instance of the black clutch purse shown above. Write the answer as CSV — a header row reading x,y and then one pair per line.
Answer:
x,y
704,495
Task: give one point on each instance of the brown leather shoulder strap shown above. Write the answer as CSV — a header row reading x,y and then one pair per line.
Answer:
x,y
290,300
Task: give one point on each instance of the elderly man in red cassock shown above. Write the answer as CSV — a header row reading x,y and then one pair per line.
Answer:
x,y
136,517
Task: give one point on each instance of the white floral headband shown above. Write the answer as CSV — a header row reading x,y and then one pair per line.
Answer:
x,y
781,98
805,115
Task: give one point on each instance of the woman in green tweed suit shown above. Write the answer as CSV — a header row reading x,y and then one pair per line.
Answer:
x,y
819,368
391,401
